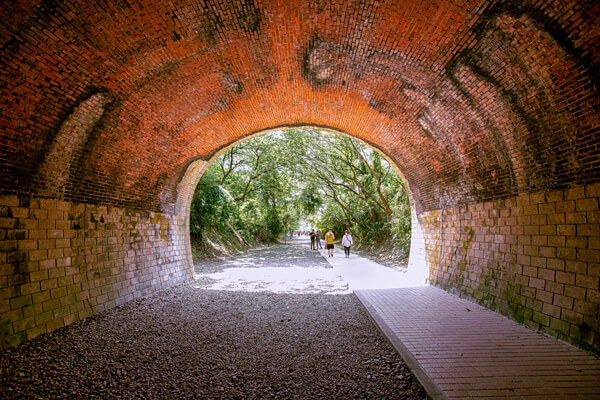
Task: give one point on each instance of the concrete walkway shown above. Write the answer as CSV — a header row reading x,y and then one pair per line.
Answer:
x,y
459,350
361,273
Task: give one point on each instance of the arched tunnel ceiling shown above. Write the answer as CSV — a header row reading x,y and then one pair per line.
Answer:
x,y
474,100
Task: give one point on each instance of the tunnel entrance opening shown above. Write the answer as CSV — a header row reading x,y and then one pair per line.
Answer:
x,y
489,107
260,189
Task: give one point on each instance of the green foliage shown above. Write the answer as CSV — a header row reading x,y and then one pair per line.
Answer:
x,y
273,222
209,205
268,185
310,200
333,218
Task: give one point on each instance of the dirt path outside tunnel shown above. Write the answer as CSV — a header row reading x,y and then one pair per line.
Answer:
x,y
278,268
190,342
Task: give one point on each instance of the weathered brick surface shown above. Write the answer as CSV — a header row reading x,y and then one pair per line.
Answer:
x,y
101,257
488,108
550,284
110,103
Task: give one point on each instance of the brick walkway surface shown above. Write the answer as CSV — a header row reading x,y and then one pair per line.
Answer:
x,y
460,350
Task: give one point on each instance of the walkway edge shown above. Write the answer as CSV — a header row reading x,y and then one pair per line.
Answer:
x,y
431,388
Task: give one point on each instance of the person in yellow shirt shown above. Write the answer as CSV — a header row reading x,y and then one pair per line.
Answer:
x,y
329,237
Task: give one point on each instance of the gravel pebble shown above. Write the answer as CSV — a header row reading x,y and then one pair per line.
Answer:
x,y
194,343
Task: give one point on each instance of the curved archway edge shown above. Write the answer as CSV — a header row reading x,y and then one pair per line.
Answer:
x,y
489,107
417,272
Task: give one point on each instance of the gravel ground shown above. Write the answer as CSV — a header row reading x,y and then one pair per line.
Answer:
x,y
206,344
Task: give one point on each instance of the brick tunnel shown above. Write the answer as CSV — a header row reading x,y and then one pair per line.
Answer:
x,y
111,111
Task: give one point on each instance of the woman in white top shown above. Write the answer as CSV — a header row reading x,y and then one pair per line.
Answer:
x,y
347,243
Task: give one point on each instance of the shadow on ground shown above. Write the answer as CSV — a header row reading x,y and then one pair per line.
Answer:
x,y
278,268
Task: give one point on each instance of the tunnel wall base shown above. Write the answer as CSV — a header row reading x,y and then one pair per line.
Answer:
x,y
534,258
61,261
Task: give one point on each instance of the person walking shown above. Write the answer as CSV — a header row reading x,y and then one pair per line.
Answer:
x,y
312,239
347,243
329,238
318,239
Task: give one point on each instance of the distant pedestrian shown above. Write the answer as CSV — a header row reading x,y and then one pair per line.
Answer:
x,y
347,243
318,239
329,238
312,239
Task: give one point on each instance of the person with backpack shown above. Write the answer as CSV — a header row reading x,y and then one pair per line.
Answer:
x,y
312,239
329,238
318,240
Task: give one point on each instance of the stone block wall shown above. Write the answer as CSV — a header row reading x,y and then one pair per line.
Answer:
x,y
476,102
534,258
62,261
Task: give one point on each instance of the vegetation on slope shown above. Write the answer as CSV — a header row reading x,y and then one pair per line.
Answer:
x,y
263,188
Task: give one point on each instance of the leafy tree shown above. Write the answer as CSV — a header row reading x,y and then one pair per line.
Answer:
x,y
268,184
209,205
310,199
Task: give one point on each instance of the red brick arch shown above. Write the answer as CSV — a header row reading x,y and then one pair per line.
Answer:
x,y
489,109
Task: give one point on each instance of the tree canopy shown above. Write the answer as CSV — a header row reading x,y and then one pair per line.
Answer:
x,y
271,184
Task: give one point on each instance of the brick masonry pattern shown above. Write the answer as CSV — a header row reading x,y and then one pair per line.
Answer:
x,y
459,350
535,258
61,262
474,100
481,104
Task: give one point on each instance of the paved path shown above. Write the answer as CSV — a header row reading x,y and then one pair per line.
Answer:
x,y
459,350
294,268
361,273
290,268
